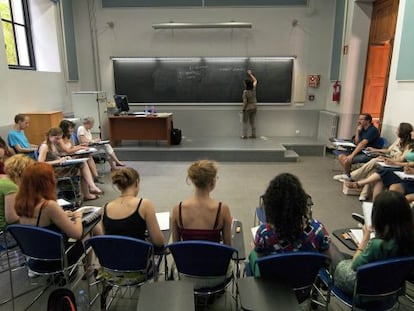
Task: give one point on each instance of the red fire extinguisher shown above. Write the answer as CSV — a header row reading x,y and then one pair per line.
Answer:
x,y
336,95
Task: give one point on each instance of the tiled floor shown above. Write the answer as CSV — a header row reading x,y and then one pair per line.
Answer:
x,y
239,185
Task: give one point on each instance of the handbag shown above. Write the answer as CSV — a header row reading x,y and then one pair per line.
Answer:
x,y
176,135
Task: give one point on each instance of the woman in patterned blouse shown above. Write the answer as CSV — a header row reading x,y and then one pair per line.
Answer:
x,y
290,226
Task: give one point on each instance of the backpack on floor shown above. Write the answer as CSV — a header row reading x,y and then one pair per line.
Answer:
x,y
61,299
176,135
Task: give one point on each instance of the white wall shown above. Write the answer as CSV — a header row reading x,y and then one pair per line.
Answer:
x,y
272,35
28,91
399,106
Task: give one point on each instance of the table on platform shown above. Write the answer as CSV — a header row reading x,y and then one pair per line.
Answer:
x,y
140,127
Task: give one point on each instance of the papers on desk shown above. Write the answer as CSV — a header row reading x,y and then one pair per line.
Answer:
x,y
89,150
75,161
348,144
163,220
102,142
383,164
405,176
63,202
357,235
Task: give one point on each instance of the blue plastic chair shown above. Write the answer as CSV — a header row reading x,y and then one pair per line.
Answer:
x,y
203,259
295,269
46,253
126,263
378,285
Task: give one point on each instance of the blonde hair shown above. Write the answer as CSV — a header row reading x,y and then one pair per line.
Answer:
x,y
15,166
125,178
202,173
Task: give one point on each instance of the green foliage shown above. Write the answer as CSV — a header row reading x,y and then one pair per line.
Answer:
x,y
8,33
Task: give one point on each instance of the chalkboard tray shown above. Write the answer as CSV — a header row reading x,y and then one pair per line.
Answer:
x,y
202,79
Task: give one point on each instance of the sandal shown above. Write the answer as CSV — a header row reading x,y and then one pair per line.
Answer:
x,y
91,198
353,184
100,192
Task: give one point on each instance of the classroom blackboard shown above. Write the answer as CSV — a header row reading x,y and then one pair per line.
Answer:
x,y
202,79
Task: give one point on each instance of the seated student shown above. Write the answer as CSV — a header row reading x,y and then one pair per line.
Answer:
x,y
85,137
14,167
200,217
394,237
48,152
289,226
128,214
366,135
6,152
17,138
36,205
394,152
385,178
66,146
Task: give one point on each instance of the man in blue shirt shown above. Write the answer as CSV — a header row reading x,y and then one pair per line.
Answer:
x,y
18,140
366,135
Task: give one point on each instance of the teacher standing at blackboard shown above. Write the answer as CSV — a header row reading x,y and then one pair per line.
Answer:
x,y
249,105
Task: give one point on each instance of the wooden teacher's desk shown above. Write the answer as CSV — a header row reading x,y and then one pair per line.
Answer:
x,y
140,127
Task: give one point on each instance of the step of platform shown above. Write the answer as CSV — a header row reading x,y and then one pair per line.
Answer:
x,y
227,149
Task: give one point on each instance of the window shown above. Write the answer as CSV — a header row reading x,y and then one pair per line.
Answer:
x,y
17,33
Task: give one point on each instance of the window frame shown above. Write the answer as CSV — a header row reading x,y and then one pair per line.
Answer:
x,y
29,39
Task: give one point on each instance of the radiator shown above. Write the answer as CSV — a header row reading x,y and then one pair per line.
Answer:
x,y
327,126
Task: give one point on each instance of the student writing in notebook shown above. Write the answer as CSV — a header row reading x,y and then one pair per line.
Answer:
x,y
392,222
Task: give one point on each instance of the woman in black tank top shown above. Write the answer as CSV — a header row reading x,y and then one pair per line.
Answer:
x,y
129,215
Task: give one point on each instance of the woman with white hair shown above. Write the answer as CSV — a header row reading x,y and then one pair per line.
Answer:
x,y
85,137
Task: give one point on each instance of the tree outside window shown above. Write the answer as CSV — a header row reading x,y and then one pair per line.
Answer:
x,y
17,33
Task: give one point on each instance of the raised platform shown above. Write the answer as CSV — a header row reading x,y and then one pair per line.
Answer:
x,y
229,149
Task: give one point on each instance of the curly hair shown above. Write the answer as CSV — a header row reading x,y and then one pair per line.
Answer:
x,y
202,173
286,207
16,165
392,219
125,178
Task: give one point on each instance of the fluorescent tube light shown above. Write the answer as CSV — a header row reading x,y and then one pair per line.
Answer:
x,y
173,25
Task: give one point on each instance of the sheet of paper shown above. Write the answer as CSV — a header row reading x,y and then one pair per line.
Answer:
x,y
163,220
74,161
357,235
89,150
63,202
344,144
367,212
383,164
254,230
403,175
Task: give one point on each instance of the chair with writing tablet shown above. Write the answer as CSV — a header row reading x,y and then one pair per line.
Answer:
x,y
378,285
298,270
203,259
49,254
126,263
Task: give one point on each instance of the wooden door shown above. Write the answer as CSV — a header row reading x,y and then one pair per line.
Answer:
x,y
376,79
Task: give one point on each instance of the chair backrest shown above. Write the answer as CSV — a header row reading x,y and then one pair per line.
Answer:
x,y
121,253
75,138
297,269
383,142
37,242
201,258
382,278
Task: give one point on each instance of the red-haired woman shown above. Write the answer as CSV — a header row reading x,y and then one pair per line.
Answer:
x,y
36,205
36,202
